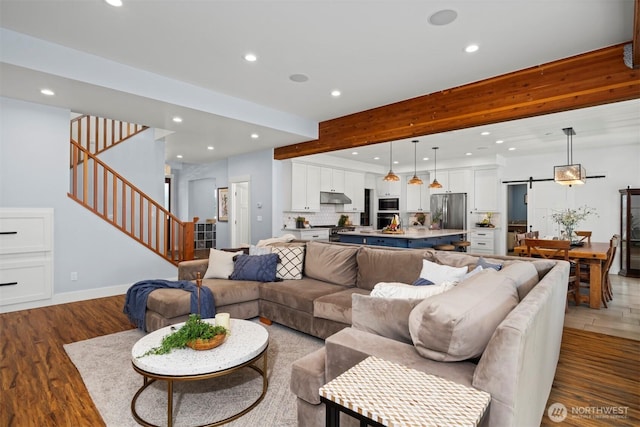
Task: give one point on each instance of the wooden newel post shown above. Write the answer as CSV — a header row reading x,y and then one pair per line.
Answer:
x,y
199,285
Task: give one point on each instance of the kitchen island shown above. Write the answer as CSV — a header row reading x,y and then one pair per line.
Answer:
x,y
412,238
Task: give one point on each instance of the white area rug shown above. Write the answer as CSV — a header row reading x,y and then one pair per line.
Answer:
x,y
105,366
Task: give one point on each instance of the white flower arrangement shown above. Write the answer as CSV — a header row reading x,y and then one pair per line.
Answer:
x,y
570,218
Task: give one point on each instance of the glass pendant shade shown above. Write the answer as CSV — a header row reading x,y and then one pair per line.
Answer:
x,y
569,174
415,180
435,183
391,176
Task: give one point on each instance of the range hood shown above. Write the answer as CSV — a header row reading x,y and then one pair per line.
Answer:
x,y
334,198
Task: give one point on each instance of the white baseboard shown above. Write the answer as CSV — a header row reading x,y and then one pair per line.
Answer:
x,y
68,297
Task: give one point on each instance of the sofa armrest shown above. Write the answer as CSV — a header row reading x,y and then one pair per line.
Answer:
x,y
387,317
188,270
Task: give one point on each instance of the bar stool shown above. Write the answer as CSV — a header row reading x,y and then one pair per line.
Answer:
x,y
445,247
461,245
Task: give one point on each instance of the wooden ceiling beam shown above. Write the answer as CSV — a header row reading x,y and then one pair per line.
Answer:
x,y
586,80
635,46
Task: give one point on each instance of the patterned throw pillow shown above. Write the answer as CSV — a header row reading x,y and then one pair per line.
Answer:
x,y
261,268
291,262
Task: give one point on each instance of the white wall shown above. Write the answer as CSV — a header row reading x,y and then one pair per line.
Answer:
x,y
34,172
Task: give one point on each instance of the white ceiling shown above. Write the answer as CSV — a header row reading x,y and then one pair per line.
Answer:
x,y
148,61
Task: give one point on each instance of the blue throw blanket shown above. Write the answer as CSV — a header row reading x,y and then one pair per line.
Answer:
x,y
135,305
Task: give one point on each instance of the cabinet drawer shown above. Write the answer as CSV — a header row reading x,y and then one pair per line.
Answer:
x,y
477,234
314,234
482,244
25,231
25,280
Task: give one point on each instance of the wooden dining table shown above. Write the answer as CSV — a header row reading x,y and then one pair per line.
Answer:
x,y
594,254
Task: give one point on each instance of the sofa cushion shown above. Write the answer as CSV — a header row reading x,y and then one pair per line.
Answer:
x,y
177,302
261,268
525,276
291,262
457,325
307,376
387,317
336,306
220,264
387,265
297,294
331,263
404,291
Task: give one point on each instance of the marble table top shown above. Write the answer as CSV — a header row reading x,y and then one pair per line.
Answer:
x,y
246,341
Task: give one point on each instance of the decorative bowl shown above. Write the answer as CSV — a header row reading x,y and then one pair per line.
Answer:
x,y
207,344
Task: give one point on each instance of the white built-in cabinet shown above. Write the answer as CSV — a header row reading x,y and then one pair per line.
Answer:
x,y
354,189
418,195
483,240
485,190
26,255
332,180
388,188
454,181
305,188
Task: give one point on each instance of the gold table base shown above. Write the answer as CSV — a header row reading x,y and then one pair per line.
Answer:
x,y
150,378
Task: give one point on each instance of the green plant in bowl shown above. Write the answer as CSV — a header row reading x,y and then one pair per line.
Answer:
x,y
194,329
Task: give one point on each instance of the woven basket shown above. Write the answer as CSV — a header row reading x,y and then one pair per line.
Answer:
x,y
207,344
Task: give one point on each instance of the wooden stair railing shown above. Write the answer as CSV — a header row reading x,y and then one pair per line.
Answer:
x,y
97,134
103,191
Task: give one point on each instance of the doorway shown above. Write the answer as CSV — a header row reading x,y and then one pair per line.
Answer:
x,y
239,214
517,218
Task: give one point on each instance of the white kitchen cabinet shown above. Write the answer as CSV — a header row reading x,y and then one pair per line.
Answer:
x,y
388,188
485,190
418,195
453,181
308,233
305,188
332,180
483,240
26,255
354,189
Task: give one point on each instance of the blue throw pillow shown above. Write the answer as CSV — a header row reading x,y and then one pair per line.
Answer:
x,y
422,282
486,264
261,268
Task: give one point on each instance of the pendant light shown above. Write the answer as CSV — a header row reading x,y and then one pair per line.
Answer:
x,y
435,183
415,180
569,174
391,176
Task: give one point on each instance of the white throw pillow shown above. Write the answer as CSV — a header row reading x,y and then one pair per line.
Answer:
x,y
259,250
291,262
404,291
220,264
438,273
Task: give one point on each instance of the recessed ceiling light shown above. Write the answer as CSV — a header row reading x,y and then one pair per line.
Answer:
x,y
499,141
443,17
47,92
471,48
512,148
355,153
335,93
177,119
298,78
179,156
210,147
395,162
485,133
376,158
250,57
425,158
467,154
255,136
114,3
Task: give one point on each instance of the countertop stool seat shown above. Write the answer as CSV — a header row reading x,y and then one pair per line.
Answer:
x,y
461,245
445,247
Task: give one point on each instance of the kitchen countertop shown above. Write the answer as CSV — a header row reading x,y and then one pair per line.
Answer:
x,y
409,234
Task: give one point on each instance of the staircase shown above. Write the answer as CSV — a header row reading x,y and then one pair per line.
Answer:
x,y
106,193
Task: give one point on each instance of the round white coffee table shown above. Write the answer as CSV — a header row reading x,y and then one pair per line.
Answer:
x,y
247,343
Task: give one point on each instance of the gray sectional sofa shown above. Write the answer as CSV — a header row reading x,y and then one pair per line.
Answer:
x,y
497,331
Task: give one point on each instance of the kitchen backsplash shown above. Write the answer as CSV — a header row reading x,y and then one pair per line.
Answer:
x,y
326,216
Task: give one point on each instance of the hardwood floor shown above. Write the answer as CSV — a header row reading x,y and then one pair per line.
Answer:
x,y
39,386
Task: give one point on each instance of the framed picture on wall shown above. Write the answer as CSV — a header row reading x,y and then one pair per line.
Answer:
x,y
223,204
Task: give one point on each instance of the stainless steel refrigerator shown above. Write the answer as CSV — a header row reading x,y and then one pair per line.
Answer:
x,y
453,209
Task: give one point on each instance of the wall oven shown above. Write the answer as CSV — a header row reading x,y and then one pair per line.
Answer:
x,y
390,204
384,220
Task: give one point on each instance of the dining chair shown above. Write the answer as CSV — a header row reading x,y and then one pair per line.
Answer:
x,y
606,292
529,235
584,235
555,249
